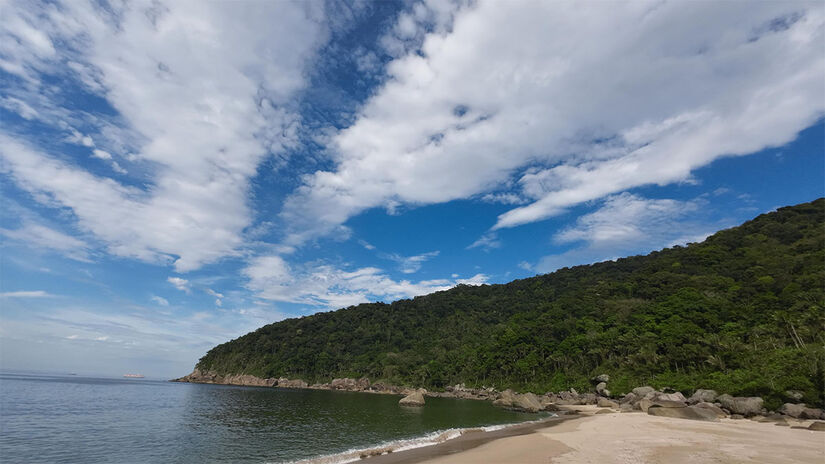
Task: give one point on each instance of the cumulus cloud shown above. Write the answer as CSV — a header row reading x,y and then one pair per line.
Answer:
x,y
202,93
324,285
179,283
577,101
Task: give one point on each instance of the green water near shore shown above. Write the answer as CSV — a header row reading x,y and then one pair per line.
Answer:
x,y
76,419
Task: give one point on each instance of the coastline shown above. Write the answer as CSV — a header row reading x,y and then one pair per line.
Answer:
x,y
624,438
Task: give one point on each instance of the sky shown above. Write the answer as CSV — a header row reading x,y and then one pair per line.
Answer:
x,y
175,174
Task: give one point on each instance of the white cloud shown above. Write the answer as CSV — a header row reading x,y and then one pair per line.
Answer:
x,y
627,224
324,285
412,264
42,237
160,300
598,98
218,296
203,91
179,283
486,242
26,294
525,265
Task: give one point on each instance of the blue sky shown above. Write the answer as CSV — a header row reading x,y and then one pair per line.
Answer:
x,y
176,174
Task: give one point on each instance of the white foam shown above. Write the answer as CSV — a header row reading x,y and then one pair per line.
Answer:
x,y
430,439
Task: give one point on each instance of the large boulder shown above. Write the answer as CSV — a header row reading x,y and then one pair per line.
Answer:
x,y
606,403
342,384
818,426
800,411
602,390
703,396
711,407
588,398
505,399
413,399
744,405
794,395
527,402
678,397
690,412
631,398
284,382
642,391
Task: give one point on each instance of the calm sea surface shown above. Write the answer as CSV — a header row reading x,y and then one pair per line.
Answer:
x,y
90,420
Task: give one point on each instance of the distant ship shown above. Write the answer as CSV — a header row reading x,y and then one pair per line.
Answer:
x,y
133,376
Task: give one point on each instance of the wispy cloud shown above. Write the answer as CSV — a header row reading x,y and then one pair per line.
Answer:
x,y
26,294
412,264
179,283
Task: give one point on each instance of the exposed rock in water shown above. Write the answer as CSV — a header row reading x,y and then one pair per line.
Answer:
x,y
801,411
689,412
703,396
283,382
413,399
744,405
198,376
505,399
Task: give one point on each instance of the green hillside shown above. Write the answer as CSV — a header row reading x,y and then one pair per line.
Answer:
x,y
741,312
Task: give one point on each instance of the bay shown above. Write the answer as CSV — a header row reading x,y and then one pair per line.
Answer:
x,y
56,418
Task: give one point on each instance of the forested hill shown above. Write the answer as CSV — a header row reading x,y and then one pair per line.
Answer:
x,y
741,312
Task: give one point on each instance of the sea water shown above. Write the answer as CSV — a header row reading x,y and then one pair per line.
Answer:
x,y
56,418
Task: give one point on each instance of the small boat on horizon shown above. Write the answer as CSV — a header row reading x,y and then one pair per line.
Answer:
x,y
133,376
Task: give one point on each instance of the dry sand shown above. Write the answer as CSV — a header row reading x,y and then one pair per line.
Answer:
x,y
640,438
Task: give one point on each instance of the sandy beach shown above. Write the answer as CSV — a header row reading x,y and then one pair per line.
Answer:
x,y
632,438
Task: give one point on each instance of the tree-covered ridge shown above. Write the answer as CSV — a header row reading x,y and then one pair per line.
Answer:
x,y
741,312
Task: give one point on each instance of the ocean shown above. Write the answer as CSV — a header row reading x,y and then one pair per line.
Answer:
x,y
57,418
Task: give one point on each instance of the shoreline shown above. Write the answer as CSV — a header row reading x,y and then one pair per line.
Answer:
x,y
624,438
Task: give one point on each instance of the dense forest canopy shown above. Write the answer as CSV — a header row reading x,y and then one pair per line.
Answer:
x,y
741,312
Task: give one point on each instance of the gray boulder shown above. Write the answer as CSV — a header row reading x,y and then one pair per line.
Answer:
x,y
601,389
743,405
527,402
505,399
678,397
587,398
606,403
703,396
601,378
800,411
413,399
646,404
818,426
690,412
630,398
642,391
712,407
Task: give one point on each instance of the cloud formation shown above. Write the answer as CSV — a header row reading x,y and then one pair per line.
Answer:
x,y
201,93
577,101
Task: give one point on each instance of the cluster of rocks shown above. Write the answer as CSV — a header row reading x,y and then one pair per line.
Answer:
x,y
706,405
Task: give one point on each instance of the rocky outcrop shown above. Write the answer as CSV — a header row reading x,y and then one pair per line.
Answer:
x,y
198,376
606,403
703,396
505,399
712,407
413,399
641,392
801,411
283,382
743,405
527,402
684,412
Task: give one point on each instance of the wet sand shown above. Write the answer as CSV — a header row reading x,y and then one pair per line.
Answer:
x,y
626,438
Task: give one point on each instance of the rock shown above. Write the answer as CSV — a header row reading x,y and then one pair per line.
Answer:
x,y
737,416
800,411
678,397
782,423
626,407
603,411
769,418
744,405
283,382
689,412
712,407
640,392
588,398
645,404
602,378
505,399
413,399
818,426
630,398
600,388
794,395
342,384
606,403
527,402
703,396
